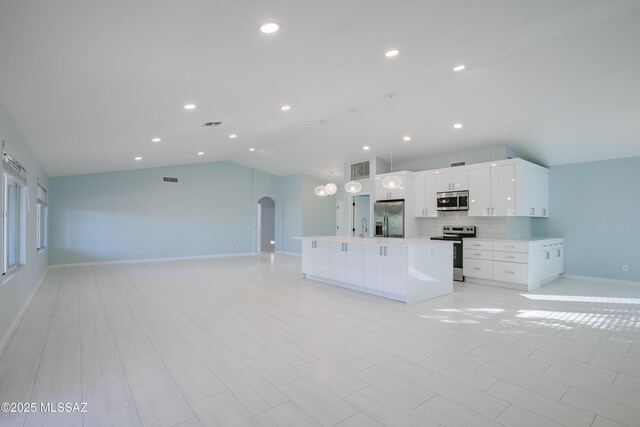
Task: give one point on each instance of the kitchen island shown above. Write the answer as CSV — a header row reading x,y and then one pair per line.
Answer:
x,y
407,270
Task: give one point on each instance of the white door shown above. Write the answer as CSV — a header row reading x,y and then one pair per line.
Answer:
x,y
460,180
308,257
540,193
373,267
421,195
480,192
322,258
337,257
444,181
396,263
503,189
431,195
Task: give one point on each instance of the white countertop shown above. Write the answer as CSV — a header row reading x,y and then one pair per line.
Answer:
x,y
387,241
523,239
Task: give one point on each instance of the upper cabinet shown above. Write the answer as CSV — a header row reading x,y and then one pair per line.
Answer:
x,y
426,194
452,179
395,193
508,188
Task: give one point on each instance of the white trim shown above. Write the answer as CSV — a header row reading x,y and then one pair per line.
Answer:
x,y
13,327
135,261
288,253
600,279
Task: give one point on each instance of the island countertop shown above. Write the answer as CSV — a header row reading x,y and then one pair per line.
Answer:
x,y
384,241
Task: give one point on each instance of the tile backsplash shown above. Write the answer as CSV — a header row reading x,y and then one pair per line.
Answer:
x,y
511,227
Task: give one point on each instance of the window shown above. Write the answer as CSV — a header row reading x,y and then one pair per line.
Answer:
x,y
41,218
15,180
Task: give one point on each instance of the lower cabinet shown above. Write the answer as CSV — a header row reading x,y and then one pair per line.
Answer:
x,y
315,254
386,268
514,264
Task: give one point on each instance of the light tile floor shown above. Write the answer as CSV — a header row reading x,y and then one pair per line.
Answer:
x,y
245,341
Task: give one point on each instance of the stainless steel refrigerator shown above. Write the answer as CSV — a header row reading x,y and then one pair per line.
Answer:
x,y
389,218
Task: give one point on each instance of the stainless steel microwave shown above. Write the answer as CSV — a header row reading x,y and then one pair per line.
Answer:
x,y
453,201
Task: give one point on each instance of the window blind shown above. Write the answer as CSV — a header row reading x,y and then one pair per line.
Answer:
x,y
41,197
14,169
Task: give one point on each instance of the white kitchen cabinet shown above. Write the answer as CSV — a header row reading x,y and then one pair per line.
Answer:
x,y
396,263
395,193
492,191
408,270
315,254
453,179
540,193
517,264
426,191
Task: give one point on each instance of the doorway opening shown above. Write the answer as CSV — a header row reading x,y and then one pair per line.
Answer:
x,y
266,225
361,218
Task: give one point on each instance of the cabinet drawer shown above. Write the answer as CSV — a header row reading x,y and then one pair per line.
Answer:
x,y
510,272
507,246
477,244
480,268
511,257
477,254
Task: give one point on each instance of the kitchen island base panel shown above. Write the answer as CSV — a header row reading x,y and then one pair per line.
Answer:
x,y
396,297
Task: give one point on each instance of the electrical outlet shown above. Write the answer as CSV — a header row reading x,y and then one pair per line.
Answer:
x,y
625,268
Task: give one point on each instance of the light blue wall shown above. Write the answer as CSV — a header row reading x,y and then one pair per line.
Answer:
x,y
291,214
596,207
15,290
134,215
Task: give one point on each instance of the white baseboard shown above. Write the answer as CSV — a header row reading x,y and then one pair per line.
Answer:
x,y
599,279
135,261
13,327
289,253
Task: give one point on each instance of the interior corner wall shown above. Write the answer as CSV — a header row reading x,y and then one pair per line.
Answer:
x,y
594,206
16,289
290,214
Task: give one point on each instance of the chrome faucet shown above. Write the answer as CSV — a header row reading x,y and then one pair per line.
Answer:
x,y
364,228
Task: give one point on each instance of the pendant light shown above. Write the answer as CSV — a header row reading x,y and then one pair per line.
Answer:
x,y
353,187
391,181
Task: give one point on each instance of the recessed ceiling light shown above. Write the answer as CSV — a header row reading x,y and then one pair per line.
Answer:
x,y
252,149
269,27
285,107
190,107
137,159
200,153
156,140
391,53
459,67
406,138
366,147
233,135
457,126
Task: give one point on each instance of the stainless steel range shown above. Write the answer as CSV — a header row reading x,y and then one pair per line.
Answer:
x,y
455,234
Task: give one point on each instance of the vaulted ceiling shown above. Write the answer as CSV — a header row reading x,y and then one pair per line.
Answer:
x,y
89,84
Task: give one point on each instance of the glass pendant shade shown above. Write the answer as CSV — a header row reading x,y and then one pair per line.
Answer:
x,y
353,187
391,182
320,191
330,189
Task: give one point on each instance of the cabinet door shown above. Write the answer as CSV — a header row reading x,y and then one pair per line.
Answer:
x,y
308,258
540,193
322,258
503,189
431,194
396,265
337,261
373,267
443,181
480,192
420,195
460,180
354,271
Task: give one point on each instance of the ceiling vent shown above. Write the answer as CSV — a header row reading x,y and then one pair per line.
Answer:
x,y
360,170
169,179
454,164
211,124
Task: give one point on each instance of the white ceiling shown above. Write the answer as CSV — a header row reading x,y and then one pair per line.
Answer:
x,y
90,83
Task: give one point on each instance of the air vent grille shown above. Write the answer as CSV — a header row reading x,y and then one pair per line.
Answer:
x,y
454,164
169,179
209,124
360,171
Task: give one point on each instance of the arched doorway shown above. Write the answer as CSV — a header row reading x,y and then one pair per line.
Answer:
x,y
266,225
